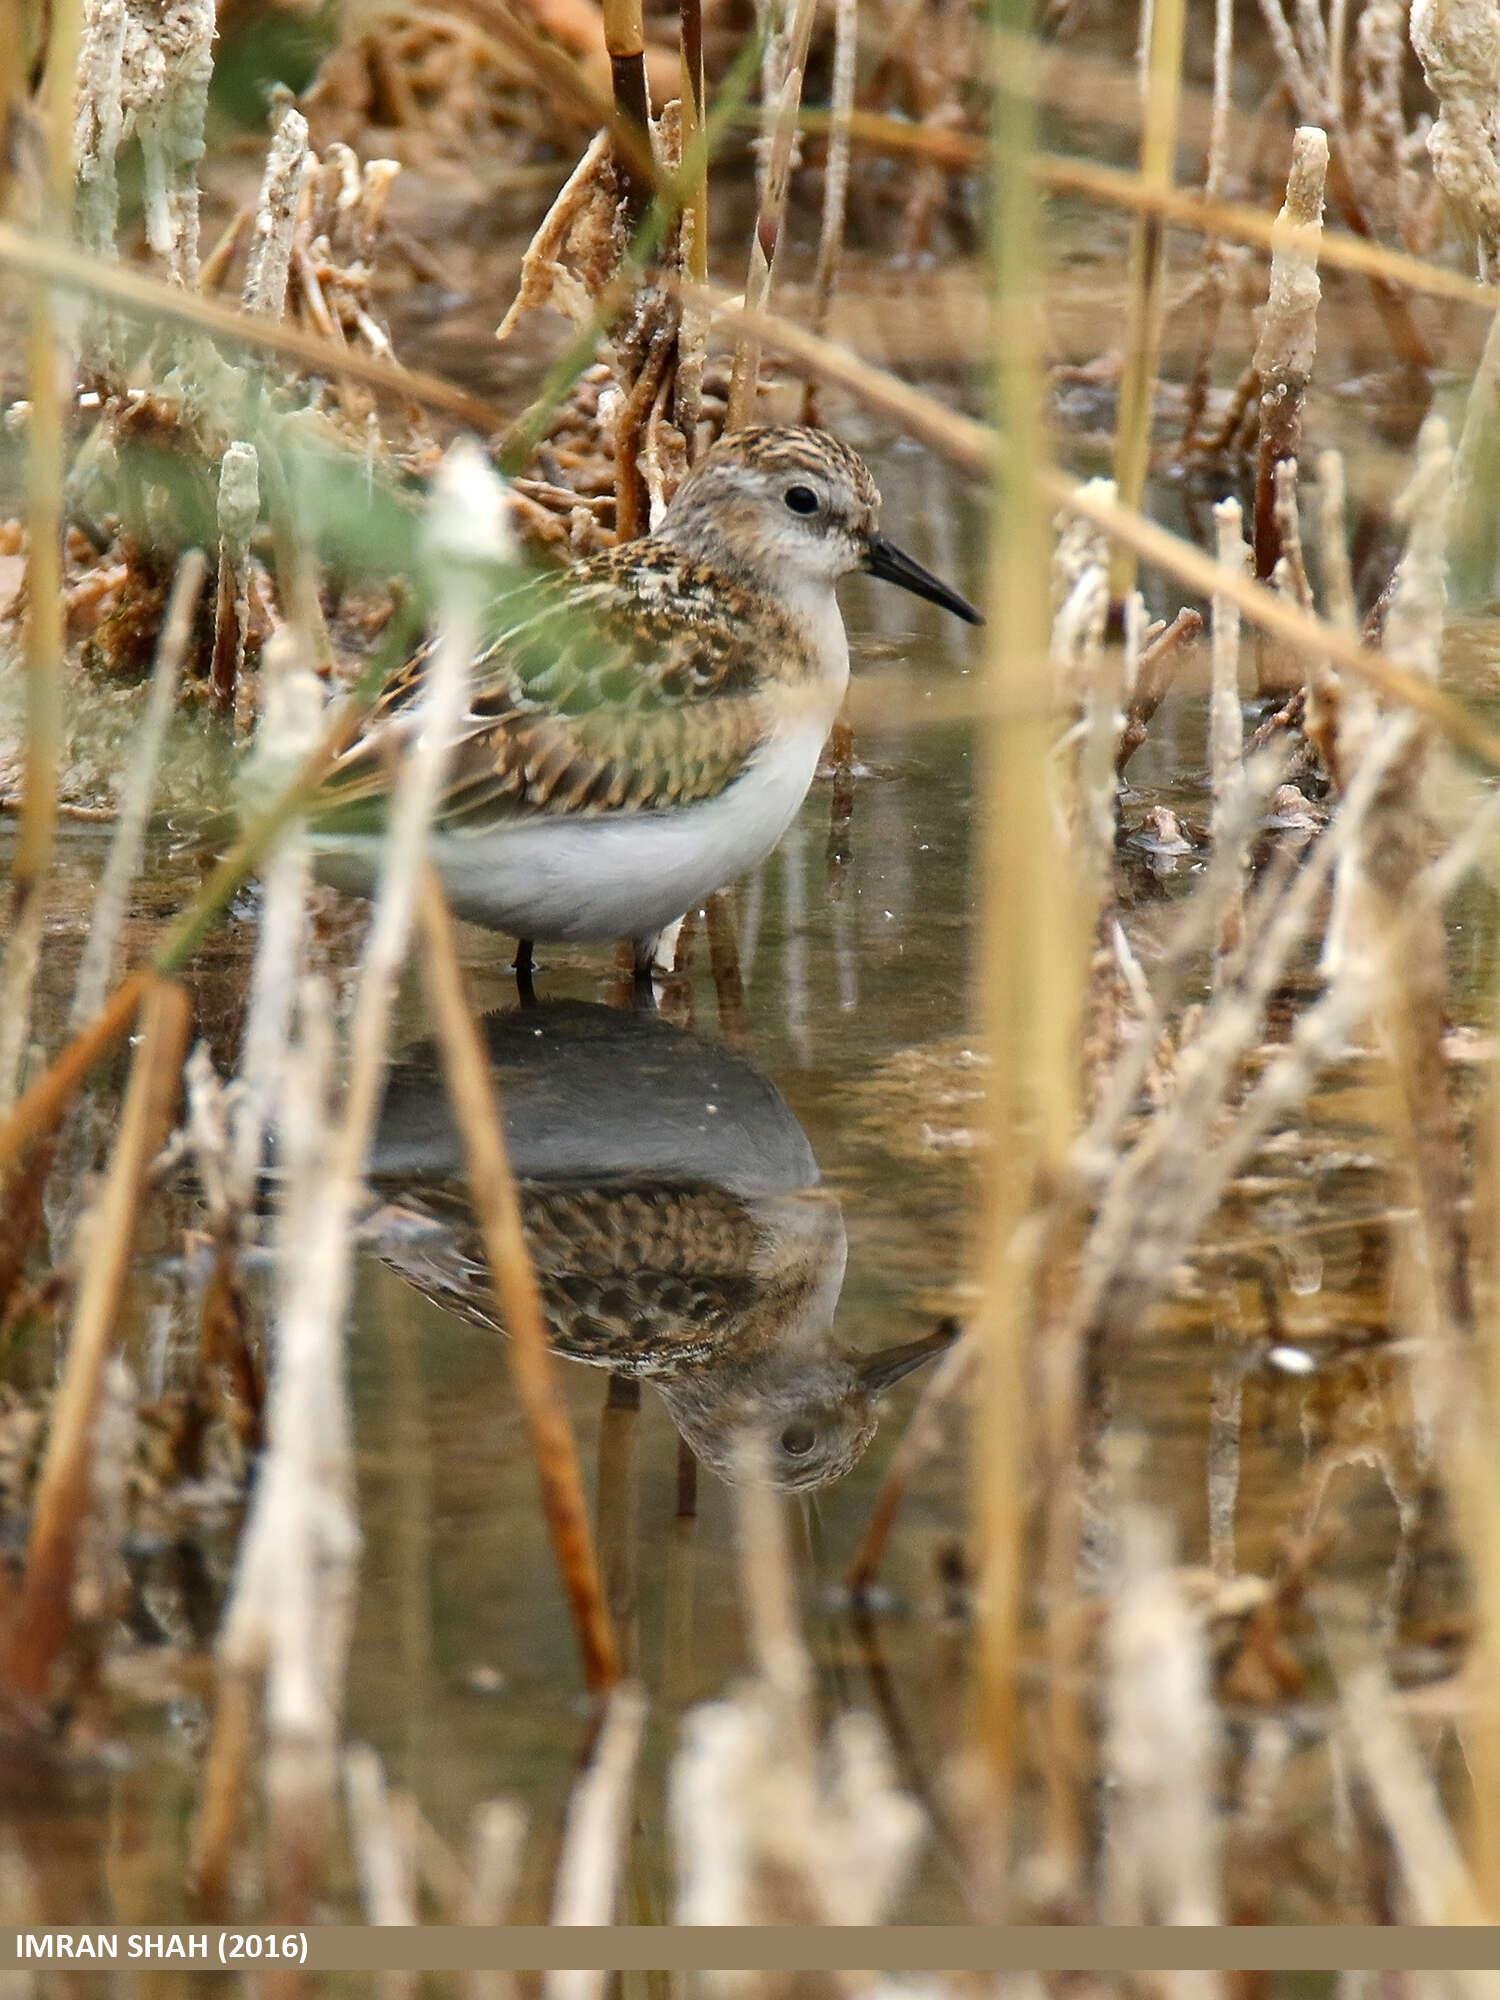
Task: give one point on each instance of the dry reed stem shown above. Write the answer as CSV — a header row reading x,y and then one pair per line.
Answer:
x,y
1149,679
1160,1193
1287,345
231,1747
1337,250
292,1601
835,179
472,1094
625,42
238,510
43,632
1308,84
1147,279
1226,726
1160,1751
779,143
387,1873
268,261
36,1115
1379,901
1379,1742
586,1887
769,1594
1458,45
1028,971
921,1438
96,966
151,299
42,1612
972,446
1215,266
692,329
1474,1415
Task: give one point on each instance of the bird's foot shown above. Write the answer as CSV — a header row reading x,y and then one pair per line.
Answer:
x,y
521,965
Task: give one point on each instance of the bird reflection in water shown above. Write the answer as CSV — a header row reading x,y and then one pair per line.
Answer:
x,y
672,1209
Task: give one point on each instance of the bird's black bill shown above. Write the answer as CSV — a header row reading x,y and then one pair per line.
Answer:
x,y
884,559
879,1372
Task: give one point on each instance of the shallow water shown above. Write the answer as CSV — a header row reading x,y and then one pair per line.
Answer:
x,y
1267,1401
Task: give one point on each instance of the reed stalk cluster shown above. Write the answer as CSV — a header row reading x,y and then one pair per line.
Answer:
x,y
1146,1063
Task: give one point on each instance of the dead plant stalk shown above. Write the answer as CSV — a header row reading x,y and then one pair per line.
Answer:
x,y
1167,20
779,143
60,1510
472,1092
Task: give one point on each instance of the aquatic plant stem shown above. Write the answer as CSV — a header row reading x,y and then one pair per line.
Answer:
x,y
472,1094
779,139
835,179
43,632
625,41
1147,272
1025,986
42,1612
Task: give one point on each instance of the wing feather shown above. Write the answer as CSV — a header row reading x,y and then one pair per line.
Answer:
x,y
621,686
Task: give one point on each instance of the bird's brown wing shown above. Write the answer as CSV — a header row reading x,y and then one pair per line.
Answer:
x,y
621,686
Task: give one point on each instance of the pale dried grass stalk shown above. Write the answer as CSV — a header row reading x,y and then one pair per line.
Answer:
x,y
1226,727
48,366
764,1833
97,966
785,62
1163,30
1215,262
268,260
1380,905
497,1832
1288,340
387,1865
292,1601
1378,1741
239,510
144,70
60,1507
587,1885
770,1596
836,172
1161,1745
291,700
1458,45
1163,1189
1377,137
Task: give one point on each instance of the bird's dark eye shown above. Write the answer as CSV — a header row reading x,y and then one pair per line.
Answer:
x,y
802,500
797,1440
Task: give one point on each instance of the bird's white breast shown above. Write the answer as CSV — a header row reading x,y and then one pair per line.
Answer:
x,y
613,875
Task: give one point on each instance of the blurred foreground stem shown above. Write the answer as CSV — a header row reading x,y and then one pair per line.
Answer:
x,y
1147,272
1028,968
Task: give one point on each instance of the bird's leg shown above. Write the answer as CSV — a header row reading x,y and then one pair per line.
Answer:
x,y
521,965
643,955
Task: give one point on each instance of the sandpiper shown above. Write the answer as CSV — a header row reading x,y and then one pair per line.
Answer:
x,y
643,728
676,1222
